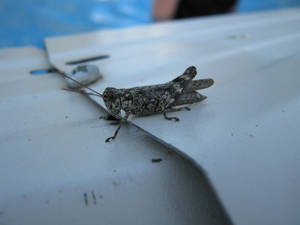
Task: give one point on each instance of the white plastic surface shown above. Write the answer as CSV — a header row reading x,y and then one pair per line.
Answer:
x,y
55,167
85,74
245,135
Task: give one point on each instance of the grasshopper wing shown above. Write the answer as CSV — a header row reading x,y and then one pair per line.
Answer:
x,y
198,84
189,98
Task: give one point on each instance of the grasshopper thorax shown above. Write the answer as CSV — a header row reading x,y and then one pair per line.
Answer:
x,y
112,100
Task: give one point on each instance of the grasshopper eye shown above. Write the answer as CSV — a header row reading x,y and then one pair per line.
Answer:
x,y
109,94
111,97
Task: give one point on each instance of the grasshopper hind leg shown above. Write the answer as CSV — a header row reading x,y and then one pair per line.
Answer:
x,y
176,119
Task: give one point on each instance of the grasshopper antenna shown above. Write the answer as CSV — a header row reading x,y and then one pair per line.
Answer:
x,y
77,82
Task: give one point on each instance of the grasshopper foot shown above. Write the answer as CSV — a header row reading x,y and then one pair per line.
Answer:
x,y
176,119
109,139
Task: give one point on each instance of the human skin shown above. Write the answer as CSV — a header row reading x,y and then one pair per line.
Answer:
x,y
164,9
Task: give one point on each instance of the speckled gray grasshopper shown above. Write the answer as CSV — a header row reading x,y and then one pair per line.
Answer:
x,y
153,99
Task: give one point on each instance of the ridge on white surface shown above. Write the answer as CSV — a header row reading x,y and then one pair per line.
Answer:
x,y
245,135
55,167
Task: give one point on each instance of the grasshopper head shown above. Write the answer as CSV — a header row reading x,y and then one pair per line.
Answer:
x,y
112,100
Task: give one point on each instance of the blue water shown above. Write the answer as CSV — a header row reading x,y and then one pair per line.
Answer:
x,y
28,22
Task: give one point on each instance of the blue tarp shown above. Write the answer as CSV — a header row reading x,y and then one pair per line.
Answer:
x,y
27,22
260,5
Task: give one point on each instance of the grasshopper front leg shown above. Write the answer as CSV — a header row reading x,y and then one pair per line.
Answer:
x,y
174,110
122,121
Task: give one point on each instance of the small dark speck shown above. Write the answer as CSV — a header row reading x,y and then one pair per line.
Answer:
x,y
251,135
86,202
115,170
66,117
232,37
232,134
25,197
156,160
94,197
47,202
168,152
116,183
101,196
283,110
257,125
1,213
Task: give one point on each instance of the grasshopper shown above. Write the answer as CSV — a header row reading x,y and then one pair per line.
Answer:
x,y
152,99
